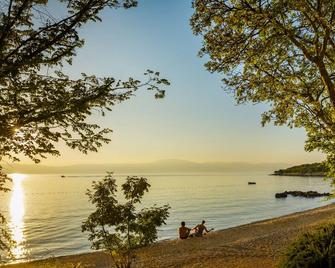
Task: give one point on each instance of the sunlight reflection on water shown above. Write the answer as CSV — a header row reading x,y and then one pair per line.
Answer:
x,y
16,210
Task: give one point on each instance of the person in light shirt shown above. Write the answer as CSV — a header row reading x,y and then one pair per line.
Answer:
x,y
200,228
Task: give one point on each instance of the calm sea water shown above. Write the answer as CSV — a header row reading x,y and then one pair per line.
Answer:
x,y
45,212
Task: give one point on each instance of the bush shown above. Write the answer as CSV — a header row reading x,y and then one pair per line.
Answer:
x,y
119,228
312,249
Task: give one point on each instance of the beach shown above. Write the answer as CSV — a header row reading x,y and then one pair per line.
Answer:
x,y
258,244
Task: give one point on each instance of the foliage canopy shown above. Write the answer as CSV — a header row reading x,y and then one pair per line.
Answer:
x,y
41,105
281,52
119,228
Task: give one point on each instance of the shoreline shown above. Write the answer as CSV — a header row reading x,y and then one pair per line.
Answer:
x,y
299,175
255,244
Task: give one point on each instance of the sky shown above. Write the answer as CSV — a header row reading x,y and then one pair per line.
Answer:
x,y
197,120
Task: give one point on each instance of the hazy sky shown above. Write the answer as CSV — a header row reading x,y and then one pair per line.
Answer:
x,y
197,120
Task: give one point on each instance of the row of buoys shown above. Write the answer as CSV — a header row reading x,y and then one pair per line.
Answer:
x,y
53,193
249,182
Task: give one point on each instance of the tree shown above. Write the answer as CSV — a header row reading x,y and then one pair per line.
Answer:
x,y
40,105
5,238
280,52
119,229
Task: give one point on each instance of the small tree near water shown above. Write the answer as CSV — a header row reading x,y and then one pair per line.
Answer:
x,y
5,238
119,228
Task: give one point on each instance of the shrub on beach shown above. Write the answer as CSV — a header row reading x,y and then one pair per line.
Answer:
x,y
312,249
119,228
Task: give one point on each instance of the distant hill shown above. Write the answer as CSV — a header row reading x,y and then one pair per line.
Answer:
x,y
169,166
315,169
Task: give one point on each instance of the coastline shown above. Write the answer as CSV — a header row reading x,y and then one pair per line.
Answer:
x,y
256,244
299,175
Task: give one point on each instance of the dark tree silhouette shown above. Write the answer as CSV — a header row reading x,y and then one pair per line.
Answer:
x,y
41,105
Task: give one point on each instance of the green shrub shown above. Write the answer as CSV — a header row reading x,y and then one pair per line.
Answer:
x,y
312,249
120,228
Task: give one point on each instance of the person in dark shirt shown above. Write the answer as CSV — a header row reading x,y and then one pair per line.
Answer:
x,y
183,231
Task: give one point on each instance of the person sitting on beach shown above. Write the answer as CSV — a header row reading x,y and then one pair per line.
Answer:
x,y
183,231
200,228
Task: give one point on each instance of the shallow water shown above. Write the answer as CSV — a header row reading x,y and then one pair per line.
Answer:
x,y
45,212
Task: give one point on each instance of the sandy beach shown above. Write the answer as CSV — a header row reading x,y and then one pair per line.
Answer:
x,y
258,244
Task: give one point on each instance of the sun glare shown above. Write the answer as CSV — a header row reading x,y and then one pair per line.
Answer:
x,y
16,210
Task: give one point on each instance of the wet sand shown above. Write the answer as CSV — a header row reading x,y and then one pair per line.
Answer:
x,y
258,244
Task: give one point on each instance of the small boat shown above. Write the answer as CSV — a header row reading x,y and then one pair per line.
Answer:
x,y
251,182
62,176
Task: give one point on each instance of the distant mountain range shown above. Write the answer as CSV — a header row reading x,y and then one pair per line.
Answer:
x,y
161,166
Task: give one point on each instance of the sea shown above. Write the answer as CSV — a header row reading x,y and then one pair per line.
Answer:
x,y
45,211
